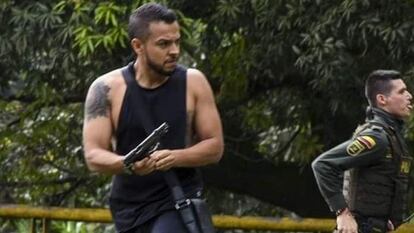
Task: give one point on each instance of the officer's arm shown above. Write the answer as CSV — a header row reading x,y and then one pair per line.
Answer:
x,y
366,149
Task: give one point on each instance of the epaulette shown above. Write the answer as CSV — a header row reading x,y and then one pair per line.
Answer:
x,y
359,129
364,139
380,127
372,125
376,127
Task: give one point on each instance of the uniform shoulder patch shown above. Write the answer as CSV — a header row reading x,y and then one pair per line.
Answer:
x,y
360,144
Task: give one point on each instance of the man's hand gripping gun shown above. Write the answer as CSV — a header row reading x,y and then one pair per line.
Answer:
x,y
145,148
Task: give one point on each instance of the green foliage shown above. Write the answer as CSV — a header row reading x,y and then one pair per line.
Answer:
x,y
80,227
233,79
102,30
50,52
14,226
303,64
24,226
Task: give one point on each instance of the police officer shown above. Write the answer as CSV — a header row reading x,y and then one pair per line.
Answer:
x,y
364,180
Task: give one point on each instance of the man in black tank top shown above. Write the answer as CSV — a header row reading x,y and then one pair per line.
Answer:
x,y
121,110
364,180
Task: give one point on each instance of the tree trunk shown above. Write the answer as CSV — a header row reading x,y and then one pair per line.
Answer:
x,y
286,185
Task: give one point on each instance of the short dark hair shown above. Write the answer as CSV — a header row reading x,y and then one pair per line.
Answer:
x,y
379,82
139,20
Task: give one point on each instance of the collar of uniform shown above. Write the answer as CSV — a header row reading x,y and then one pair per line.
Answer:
x,y
389,119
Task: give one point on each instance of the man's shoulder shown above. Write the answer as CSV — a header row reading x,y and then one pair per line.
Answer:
x,y
194,70
194,74
197,81
376,132
112,79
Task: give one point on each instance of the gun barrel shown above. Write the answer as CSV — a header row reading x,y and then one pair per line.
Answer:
x,y
163,127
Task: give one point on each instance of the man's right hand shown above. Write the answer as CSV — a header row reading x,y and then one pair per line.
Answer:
x,y
345,222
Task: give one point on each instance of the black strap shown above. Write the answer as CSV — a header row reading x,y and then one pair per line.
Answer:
x,y
129,75
182,203
396,144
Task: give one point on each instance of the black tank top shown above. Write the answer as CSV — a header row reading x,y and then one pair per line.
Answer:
x,y
135,199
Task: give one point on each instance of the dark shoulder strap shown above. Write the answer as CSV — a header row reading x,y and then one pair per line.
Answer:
x,y
396,146
128,72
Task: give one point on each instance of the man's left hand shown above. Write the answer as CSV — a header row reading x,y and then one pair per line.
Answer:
x,y
165,159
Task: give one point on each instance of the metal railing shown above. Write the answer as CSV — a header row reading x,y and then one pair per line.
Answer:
x,y
100,215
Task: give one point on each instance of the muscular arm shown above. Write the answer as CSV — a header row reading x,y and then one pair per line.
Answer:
x,y
97,130
207,127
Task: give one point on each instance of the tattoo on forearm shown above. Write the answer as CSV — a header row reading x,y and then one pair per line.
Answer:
x,y
98,105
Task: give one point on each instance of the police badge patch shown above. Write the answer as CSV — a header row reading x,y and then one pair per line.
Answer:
x,y
360,144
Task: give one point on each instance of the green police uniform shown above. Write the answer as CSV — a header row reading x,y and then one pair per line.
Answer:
x,y
368,173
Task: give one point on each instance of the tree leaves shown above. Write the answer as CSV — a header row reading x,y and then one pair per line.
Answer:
x,y
323,50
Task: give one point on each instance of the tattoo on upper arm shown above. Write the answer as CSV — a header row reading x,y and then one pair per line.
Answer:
x,y
97,104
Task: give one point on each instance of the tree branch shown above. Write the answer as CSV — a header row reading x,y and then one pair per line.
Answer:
x,y
287,185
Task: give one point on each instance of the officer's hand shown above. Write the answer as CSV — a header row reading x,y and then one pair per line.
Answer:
x,y
144,166
390,226
345,223
165,159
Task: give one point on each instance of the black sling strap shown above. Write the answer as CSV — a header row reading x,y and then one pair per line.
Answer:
x,y
392,137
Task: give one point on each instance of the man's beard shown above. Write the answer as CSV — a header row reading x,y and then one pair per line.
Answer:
x,y
159,69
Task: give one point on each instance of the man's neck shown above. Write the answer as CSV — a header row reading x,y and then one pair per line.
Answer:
x,y
148,78
389,118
